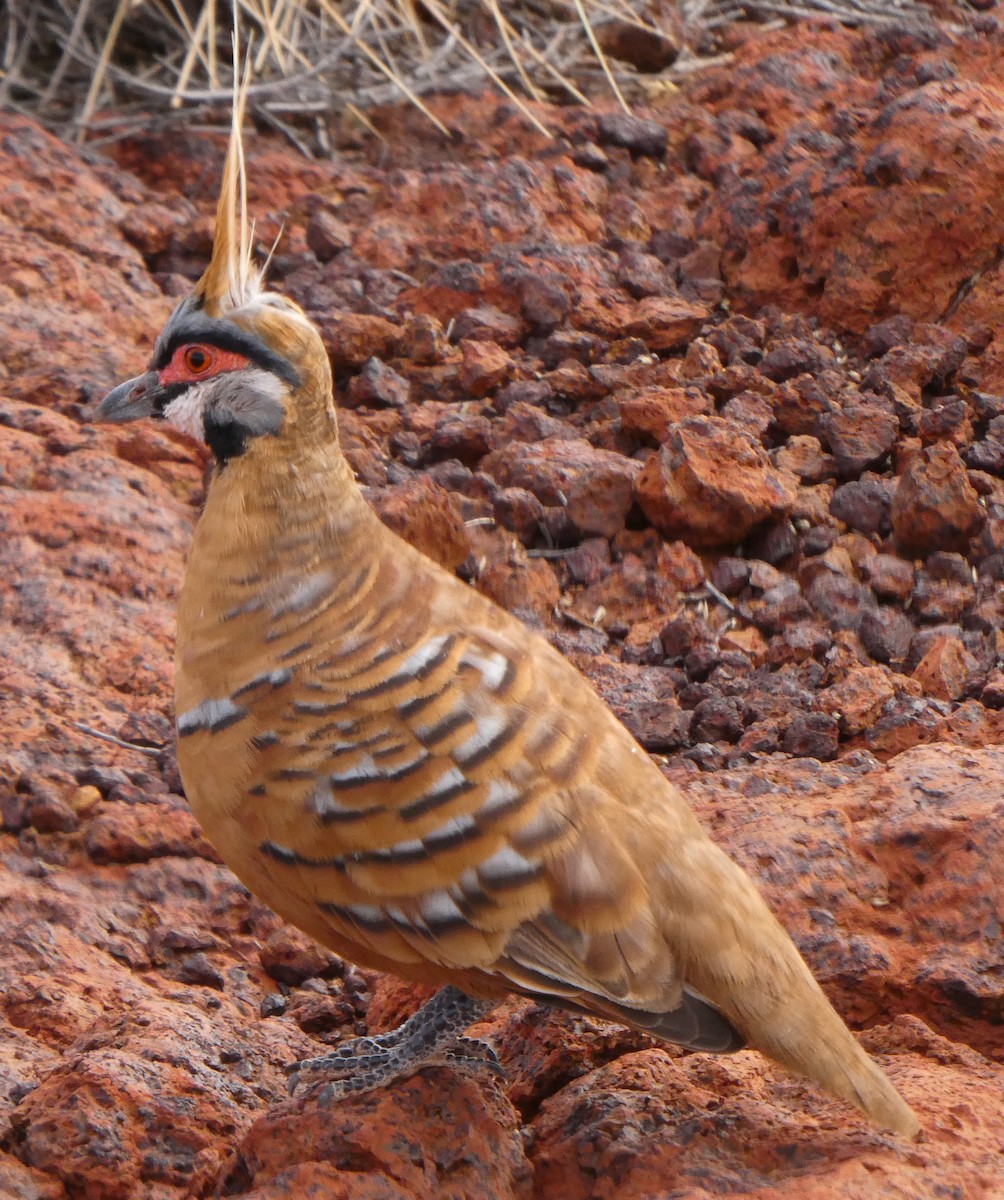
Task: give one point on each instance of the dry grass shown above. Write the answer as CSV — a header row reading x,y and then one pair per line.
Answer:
x,y
151,60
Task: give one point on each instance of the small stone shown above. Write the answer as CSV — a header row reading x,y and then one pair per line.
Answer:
x,y
710,484
590,156
595,487
545,300
485,323
987,454
886,634
860,436
640,45
84,800
354,338
588,562
290,957
935,507
840,600
804,456
717,720
750,411
730,575
890,578
519,511
946,670
665,322
804,641
641,137
48,812
485,367
791,357
198,969
377,386
327,236
864,505
273,1005
773,542
858,698
651,413
423,340
462,435
812,735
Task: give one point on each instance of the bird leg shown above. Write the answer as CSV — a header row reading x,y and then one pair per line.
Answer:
x,y
432,1037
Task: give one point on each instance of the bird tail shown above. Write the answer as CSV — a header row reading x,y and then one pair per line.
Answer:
x,y
739,957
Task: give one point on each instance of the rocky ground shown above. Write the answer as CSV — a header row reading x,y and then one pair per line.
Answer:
x,y
714,397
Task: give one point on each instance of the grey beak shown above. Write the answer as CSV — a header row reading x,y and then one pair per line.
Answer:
x,y
130,400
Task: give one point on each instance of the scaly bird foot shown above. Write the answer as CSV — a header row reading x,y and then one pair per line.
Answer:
x,y
432,1037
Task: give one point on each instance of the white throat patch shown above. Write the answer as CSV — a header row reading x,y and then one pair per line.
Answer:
x,y
185,411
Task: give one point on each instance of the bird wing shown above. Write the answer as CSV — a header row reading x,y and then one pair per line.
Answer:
x,y
447,797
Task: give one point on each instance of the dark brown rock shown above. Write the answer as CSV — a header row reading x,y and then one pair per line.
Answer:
x,y
886,634
595,487
640,136
864,505
327,236
859,436
377,386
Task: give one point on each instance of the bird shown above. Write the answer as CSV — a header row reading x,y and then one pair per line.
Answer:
x,y
403,770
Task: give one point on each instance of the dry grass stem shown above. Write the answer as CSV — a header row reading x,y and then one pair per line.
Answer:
x,y
143,59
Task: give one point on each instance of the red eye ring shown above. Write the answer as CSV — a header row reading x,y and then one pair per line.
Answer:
x,y
198,360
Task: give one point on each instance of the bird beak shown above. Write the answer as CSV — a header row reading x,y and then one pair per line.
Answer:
x,y
130,400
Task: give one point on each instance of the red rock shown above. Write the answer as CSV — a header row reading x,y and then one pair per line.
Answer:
x,y
289,956
935,506
519,511
651,414
858,698
126,834
510,578
629,593
863,505
485,367
886,634
423,340
665,322
596,487
354,338
859,436
711,483
636,134
749,641
800,405
946,670
803,455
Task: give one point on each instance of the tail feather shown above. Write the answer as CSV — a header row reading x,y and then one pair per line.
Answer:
x,y
748,967
695,1024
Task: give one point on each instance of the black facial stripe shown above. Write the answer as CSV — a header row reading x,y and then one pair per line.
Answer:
x,y
165,394
226,439
225,336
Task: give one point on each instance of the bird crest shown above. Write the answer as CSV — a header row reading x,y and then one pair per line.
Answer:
x,y
232,281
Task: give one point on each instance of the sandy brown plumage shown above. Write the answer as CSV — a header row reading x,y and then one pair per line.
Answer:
x,y
401,769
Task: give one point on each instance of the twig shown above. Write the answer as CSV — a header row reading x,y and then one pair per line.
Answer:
x,y
152,751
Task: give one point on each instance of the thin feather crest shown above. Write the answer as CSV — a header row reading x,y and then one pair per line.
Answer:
x,y
231,281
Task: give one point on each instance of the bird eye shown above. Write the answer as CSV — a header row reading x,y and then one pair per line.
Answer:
x,y
197,360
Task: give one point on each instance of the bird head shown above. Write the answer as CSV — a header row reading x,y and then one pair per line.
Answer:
x,y
236,365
